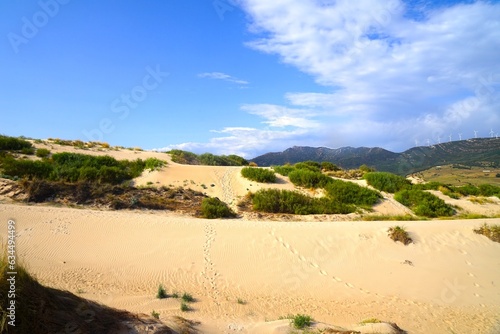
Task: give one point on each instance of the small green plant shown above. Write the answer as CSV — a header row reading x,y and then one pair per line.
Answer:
x,y
42,153
155,314
185,307
28,150
188,298
175,294
300,321
490,231
161,292
387,182
399,233
241,301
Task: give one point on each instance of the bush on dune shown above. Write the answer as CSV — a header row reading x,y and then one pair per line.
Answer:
x,y
307,178
424,203
258,174
13,144
212,208
351,193
387,182
293,202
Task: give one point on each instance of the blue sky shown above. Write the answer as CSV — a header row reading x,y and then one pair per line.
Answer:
x,y
250,76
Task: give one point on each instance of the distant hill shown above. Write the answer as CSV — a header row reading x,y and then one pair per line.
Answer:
x,y
472,152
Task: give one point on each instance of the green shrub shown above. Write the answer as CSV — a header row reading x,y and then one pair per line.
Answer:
x,y
212,208
185,307
13,144
424,203
42,153
155,314
153,163
327,166
184,157
28,150
285,201
259,174
300,321
313,166
387,182
307,178
283,170
188,298
351,193
161,293
26,168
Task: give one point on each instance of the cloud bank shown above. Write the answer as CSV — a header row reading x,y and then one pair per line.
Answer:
x,y
396,74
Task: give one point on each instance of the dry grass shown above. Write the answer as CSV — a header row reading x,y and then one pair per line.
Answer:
x,y
490,231
399,233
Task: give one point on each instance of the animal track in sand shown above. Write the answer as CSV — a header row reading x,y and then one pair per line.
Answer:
x,y
209,272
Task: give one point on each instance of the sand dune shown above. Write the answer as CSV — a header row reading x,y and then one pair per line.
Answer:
x,y
339,272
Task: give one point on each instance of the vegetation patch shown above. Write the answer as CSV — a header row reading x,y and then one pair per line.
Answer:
x,y
112,196
13,144
351,193
259,174
305,177
161,293
387,182
301,321
212,208
490,231
293,202
189,158
424,203
399,233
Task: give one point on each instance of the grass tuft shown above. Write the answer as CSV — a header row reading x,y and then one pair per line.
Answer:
x,y
161,292
399,233
490,231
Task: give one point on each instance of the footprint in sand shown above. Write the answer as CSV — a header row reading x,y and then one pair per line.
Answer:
x,y
349,285
463,252
324,273
477,295
471,274
477,285
337,279
468,263
312,264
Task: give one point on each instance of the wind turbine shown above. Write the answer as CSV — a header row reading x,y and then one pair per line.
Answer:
x,y
428,142
492,133
475,133
450,137
416,143
460,136
439,139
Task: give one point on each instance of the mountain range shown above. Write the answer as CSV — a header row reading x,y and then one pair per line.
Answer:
x,y
472,152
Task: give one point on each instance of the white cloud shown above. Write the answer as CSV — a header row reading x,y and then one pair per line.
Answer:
x,y
222,76
396,73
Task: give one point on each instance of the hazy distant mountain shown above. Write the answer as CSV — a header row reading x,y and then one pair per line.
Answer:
x,y
472,152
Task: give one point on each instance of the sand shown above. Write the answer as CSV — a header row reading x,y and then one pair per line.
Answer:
x,y
339,272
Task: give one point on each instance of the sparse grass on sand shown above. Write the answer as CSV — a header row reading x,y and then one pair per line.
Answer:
x,y
399,233
490,231
161,293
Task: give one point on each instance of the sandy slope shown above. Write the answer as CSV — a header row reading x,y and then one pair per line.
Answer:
x,y
338,272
